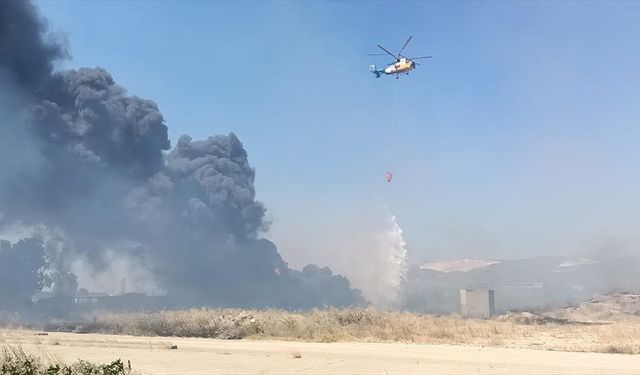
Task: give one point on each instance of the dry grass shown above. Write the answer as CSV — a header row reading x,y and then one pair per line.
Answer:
x,y
370,325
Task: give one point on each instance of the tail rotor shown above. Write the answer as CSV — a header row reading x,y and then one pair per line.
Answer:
x,y
373,69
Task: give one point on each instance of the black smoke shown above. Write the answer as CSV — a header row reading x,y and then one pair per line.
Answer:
x,y
91,166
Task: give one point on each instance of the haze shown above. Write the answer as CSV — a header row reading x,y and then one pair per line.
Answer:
x,y
517,139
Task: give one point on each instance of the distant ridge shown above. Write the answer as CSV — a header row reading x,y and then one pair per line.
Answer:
x,y
462,265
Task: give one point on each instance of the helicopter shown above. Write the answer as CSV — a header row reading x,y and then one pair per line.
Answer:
x,y
402,64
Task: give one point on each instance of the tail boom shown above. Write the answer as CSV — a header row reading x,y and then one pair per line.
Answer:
x,y
374,70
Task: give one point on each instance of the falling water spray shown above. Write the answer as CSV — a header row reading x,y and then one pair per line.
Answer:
x,y
390,291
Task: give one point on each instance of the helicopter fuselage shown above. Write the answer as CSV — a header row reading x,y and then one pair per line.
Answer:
x,y
402,66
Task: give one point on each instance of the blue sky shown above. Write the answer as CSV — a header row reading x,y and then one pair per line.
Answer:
x,y
518,138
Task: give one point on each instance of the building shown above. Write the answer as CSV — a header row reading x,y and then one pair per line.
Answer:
x,y
84,297
477,302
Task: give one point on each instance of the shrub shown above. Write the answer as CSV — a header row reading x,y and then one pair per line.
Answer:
x,y
14,361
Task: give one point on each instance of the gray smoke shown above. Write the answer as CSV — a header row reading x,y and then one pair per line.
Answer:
x,y
85,162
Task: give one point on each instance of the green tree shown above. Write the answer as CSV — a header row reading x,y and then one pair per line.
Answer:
x,y
23,272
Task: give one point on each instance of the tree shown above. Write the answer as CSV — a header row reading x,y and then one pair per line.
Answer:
x,y
23,272
64,283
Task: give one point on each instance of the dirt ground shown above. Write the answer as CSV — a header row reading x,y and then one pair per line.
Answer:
x,y
152,355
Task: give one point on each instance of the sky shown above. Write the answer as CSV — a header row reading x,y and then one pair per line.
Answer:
x,y
517,139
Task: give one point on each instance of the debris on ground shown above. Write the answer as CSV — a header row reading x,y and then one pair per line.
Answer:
x,y
529,318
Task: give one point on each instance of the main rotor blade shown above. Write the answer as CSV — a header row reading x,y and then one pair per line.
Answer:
x,y
423,57
405,45
376,54
394,56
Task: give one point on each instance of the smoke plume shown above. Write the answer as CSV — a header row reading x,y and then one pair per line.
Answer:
x,y
91,167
